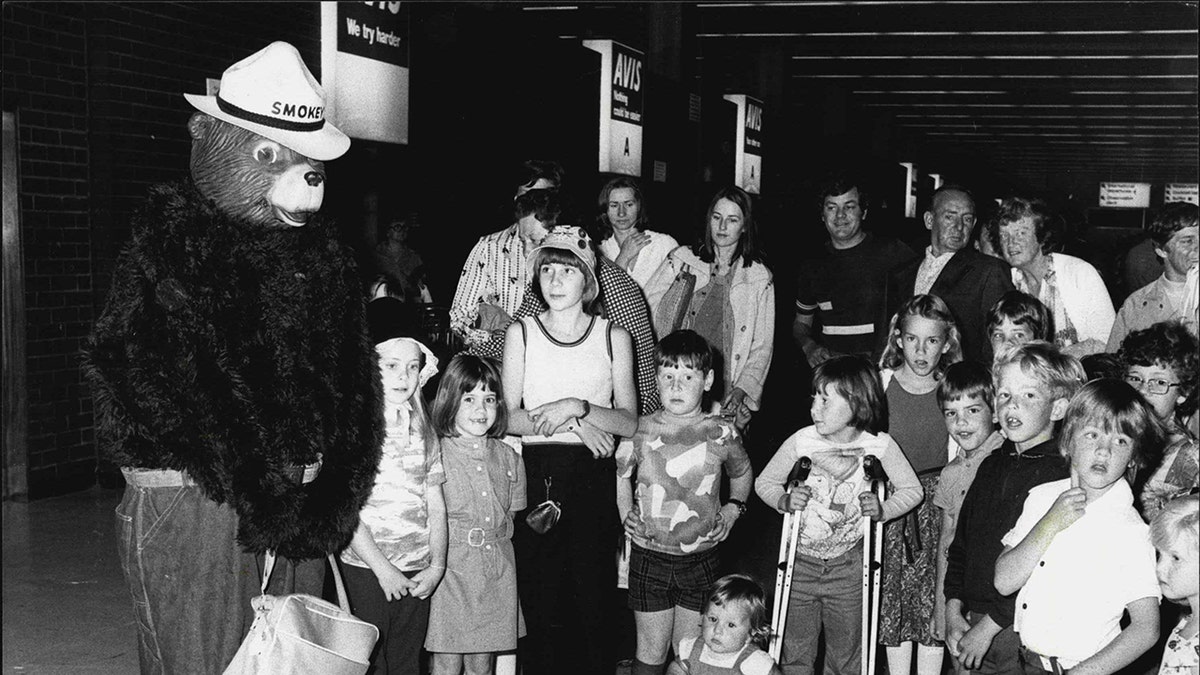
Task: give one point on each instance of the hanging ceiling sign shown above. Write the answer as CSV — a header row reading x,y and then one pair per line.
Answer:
x,y
1182,192
364,69
622,98
747,163
1125,195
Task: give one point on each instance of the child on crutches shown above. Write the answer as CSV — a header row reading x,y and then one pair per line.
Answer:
x,y
789,537
848,412
872,564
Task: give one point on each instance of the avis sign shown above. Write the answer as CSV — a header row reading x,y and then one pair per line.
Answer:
x,y
747,162
622,99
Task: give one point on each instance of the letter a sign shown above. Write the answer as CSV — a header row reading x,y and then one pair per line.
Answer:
x,y
622,73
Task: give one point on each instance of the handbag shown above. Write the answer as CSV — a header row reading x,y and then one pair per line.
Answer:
x,y
545,515
674,304
304,634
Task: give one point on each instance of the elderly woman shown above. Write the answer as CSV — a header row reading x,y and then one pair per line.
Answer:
x,y
1069,287
731,304
621,230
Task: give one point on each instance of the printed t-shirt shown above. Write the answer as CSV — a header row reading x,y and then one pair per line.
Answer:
x,y
679,462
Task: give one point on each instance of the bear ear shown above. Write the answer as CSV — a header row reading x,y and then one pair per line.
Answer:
x,y
199,124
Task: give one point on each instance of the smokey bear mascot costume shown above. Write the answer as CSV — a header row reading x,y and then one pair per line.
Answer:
x,y
234,379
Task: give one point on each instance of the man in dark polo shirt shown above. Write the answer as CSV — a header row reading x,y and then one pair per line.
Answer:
x,y
840,293
969,281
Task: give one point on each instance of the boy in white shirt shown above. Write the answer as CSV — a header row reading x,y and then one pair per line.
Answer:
x,y
1080,555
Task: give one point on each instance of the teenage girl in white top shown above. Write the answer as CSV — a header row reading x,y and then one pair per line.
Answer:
x,y
568,383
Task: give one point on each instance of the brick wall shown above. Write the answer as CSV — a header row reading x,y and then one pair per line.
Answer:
x,y
97,89
45,83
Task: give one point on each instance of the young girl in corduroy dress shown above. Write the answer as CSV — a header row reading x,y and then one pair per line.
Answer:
x,y
475,612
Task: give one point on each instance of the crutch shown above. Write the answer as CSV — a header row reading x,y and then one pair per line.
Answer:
x,y
872,565
789,537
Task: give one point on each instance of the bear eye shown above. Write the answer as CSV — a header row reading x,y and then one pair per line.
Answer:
x,y
265,154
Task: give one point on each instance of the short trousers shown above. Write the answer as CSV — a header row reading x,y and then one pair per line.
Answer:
x,y
661,581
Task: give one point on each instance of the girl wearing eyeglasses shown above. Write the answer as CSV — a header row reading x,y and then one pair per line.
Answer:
x,y
1160,362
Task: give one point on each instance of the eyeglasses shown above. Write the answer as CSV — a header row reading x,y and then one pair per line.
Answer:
x,y
1155,385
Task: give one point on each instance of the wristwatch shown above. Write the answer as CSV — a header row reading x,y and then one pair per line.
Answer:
x,y
741,505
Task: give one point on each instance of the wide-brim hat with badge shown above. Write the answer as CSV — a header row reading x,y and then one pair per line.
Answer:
x,y
272,93
567,238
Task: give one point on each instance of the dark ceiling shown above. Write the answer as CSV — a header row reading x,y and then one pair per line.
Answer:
x,y
1103,89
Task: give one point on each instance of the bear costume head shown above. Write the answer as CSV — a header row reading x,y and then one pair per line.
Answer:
x,y
259,144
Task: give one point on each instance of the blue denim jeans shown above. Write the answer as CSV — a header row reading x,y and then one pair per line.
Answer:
x,y
190,582
825,593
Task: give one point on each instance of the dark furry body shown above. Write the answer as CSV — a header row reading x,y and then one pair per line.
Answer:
x,y
234,352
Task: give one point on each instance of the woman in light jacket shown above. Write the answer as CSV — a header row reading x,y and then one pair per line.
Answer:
x,y
621,222
1069,287
732,305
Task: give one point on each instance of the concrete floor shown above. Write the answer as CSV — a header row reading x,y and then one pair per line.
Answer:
x,y
67,609
66,606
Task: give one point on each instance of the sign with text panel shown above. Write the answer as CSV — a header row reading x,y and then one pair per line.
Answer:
x,y
1125,195
1182,192
622,100
364,69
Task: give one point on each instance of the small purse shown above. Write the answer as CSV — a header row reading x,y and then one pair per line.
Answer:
x,y
304,634
674,304
545,515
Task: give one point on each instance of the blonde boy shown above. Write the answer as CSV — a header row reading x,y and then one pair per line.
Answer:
x,y
1080,555
1034,383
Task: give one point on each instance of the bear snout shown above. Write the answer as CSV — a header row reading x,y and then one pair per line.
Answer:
x,y
297,194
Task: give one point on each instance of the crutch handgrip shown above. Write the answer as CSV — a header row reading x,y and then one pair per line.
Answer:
x,y
799,473
873,469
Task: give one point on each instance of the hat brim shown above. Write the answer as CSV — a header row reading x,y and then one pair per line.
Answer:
x,y
325,144
591,268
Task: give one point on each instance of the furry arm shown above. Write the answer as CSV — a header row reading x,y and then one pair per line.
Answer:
x,y
236,354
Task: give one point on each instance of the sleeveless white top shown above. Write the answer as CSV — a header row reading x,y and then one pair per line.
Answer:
x,y
555,370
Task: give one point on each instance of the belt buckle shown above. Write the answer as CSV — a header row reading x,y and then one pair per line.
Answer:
x,y
471,537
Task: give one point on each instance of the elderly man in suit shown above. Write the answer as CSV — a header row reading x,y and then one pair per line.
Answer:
x,y
969,281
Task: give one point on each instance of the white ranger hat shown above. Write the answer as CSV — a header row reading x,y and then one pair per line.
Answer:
x,y
272,93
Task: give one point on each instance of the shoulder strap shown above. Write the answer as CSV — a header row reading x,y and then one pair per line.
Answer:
x,y
608,338
745,654
697,649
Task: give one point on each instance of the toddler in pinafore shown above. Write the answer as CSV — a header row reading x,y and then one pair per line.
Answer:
x,y
475,612
734,630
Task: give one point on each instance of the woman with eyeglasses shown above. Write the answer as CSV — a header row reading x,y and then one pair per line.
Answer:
x,y
1160,362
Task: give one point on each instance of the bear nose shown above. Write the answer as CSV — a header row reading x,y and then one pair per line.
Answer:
x,y
314,178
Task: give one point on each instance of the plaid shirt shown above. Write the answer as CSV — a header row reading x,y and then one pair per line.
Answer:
x,y
623,304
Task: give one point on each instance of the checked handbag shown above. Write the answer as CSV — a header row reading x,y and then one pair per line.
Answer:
x,y
304,634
